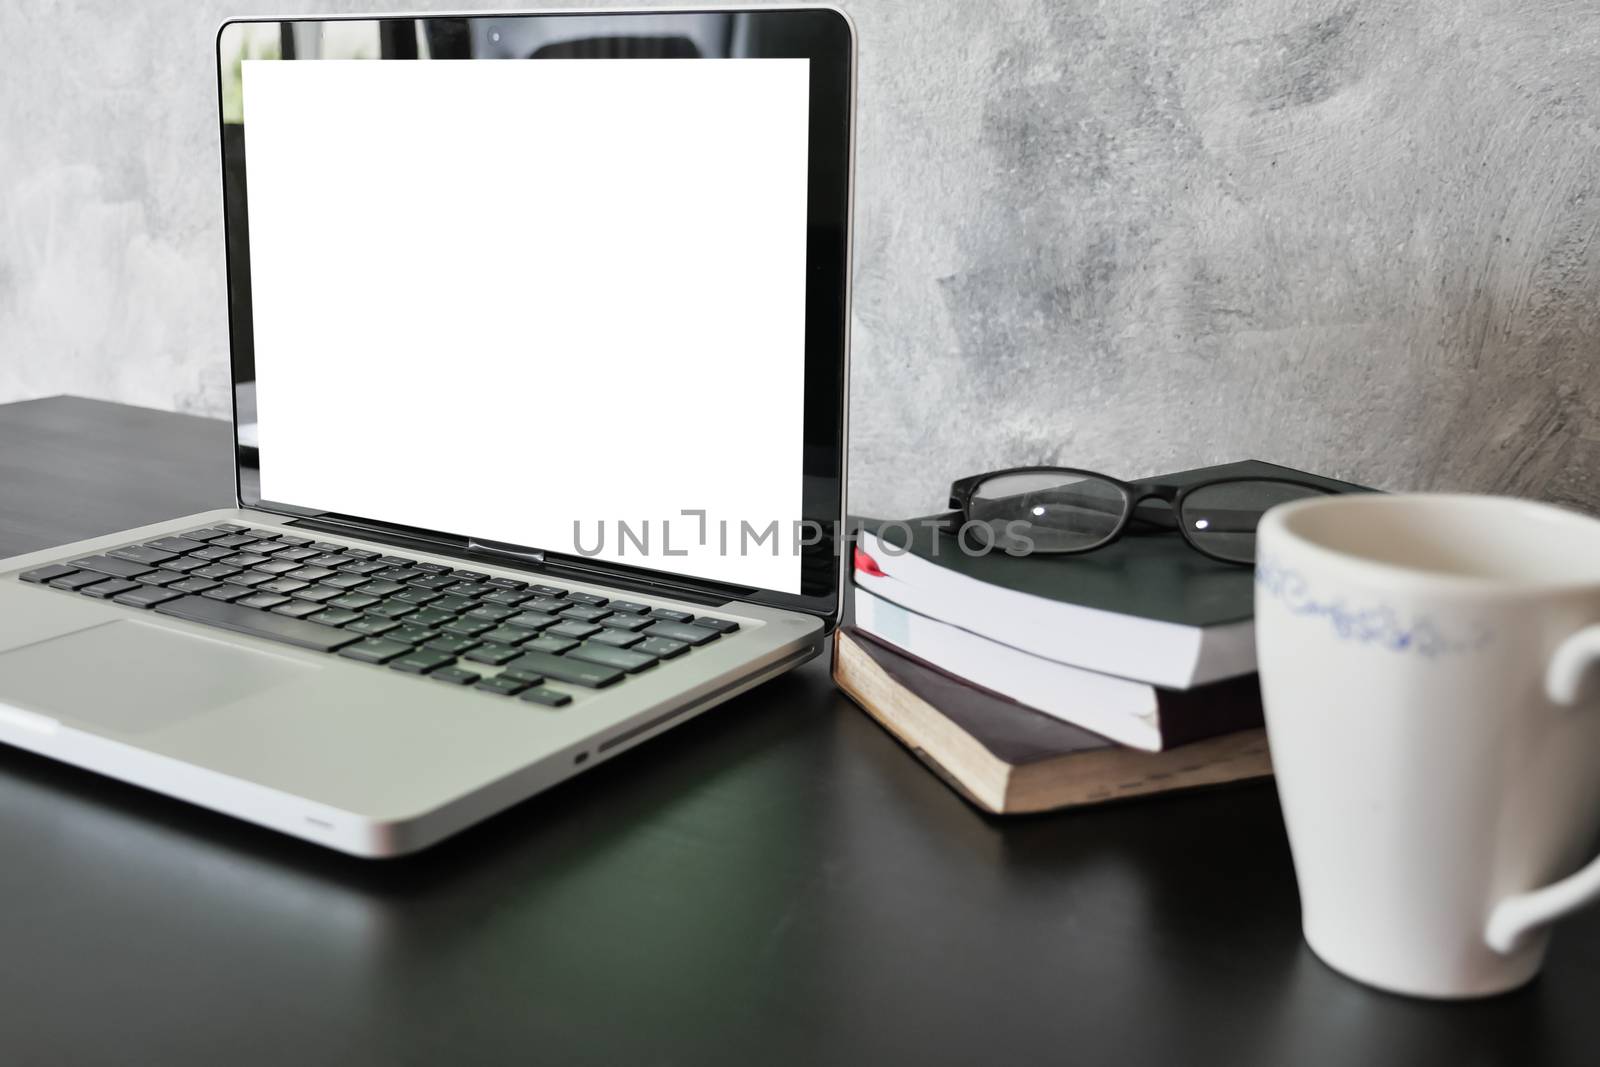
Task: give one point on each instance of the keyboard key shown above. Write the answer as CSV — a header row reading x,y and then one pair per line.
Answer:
x,y
630,606
77,580
553,591
244,559
183,565
491,612
110,587
116,568
562,669
573,628
610,656
467,627
326,546
216,572
227,593
502,684
524,676
334,616
277,566
141,554
508,597
722,626
452,604
145,596
421,661
552,645
617,638
299,542
326,559
507,635
248,579
430,617
677,631
317,594
547,605
663,647
380,587
432,582
373,650
345,581
372,627
626,622
455,676
550,698
532,620
411,635
466,589
159,578
494,655
470,576
45,574
419,597
365,567
193,584
311,574
432,568
257,623
452,645
212,554
394,561
506,583
176,545
392,609
297,609
295,555
584,613
671,615
398,574
285,586
353,601
205,534
233,541
231,527
589,598
361,553
262,601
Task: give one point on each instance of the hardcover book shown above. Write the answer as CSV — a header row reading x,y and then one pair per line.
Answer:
x,y
1008,759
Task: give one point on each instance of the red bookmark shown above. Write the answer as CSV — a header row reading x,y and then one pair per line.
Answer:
x,y
867,565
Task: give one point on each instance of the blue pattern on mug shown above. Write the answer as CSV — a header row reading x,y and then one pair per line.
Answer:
x,y
1375,624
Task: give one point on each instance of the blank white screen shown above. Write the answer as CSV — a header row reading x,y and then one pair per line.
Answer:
x,y
495,297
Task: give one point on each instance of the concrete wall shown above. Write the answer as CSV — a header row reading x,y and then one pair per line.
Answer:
x,y
1355,237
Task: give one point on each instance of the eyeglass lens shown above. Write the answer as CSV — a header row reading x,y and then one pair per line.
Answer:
x,y
1222,518
1057,512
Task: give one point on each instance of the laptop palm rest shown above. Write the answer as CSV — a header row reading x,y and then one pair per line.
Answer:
x,y
129,677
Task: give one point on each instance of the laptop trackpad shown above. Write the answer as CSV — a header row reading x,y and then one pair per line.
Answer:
x,y
131,677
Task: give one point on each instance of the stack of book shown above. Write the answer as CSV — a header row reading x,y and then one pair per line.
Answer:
x,y
1052,681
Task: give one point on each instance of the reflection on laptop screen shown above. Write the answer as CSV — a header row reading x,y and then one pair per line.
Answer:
x,y
524,301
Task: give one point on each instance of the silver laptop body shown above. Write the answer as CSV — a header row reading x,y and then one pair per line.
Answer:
x,y
133,671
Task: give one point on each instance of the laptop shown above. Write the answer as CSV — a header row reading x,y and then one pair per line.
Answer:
x,y
539,332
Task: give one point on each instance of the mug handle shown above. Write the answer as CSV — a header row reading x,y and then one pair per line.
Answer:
x,y
1517,915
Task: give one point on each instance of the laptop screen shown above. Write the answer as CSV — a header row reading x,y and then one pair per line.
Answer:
x,y
556,304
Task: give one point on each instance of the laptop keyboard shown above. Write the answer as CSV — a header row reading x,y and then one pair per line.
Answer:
x,y
450,625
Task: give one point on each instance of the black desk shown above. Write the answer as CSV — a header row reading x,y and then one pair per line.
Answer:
x,y
776,882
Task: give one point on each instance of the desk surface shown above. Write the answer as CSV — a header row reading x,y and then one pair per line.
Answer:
x,y
778,881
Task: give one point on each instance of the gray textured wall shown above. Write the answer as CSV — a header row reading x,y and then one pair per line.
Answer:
x,y
1354,237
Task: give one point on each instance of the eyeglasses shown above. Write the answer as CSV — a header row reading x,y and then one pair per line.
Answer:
x,y
1061,510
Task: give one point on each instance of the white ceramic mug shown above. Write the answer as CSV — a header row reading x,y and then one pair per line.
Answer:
x,y
1435,729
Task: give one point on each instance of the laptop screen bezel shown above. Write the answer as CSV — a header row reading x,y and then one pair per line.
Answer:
x,y
823,36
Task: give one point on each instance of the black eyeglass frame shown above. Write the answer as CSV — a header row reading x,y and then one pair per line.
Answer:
x,y
1133,494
